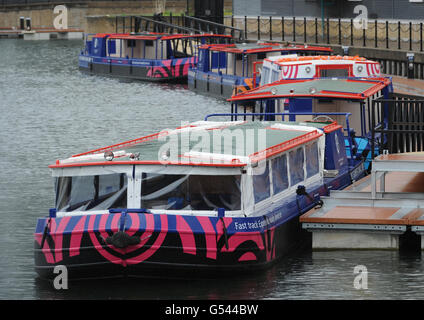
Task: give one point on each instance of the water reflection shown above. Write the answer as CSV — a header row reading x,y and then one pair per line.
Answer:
x,y
49,110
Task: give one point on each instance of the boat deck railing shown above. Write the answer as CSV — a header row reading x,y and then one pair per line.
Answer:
x,y
271,117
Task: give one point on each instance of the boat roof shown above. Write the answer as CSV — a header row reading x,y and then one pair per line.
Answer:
x,y
156,36
262,140
342,88
251,48
318,60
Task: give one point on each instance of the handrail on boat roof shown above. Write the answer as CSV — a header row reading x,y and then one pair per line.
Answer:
x,y
346,114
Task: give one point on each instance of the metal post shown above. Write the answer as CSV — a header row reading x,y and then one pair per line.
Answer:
x,y
259,28
373,130
270,27
376,33
294,29
328,30
322,21
351,32
282,28
304,30
421,36
410,36
316,30
340,31
245,27
232,25
364,36
387,34
399,35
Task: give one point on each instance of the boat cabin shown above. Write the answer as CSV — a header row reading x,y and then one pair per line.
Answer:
x,y
309,67
236,168
333,96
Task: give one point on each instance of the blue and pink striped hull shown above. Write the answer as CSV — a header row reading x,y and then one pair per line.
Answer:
x,y
176,243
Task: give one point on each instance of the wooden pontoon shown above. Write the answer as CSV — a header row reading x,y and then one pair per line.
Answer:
x,y
376,211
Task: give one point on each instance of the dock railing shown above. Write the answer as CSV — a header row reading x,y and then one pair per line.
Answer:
x,y
386,35
398,124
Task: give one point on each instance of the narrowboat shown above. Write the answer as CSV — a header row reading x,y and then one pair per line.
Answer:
x,y
308,67
226,70
327,84
207,198
144,56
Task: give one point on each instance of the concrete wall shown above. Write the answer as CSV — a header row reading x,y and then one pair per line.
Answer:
x,y
42,15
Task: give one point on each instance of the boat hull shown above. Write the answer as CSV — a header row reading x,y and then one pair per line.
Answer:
x,y
171,70
216,85
170,245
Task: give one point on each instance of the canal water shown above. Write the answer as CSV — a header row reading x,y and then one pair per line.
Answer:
x,y
49,110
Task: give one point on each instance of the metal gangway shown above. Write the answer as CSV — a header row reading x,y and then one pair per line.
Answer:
x,y
175,24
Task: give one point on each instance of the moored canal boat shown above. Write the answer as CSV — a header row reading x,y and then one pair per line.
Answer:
x,y
225,70
144,56
167,204
317,84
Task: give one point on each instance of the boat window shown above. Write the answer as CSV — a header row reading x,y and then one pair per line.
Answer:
x,y
190,192
330,73
261,184
296,160
280,179
83,193
274,76
219,60
111,47
264,75
312,160
148,43
131,43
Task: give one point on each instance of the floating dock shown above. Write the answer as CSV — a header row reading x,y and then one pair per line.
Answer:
x,y
42,34
376,212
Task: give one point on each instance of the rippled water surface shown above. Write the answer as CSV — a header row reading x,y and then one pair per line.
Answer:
x,y
49,110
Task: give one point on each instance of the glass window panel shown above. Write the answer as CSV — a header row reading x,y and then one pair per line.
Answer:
x,y
296,158
280,179
261,184
190,192
91,192
109,183
82,191
312,159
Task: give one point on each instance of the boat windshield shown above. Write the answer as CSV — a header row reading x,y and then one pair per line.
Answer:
x,y
84,193
190,192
